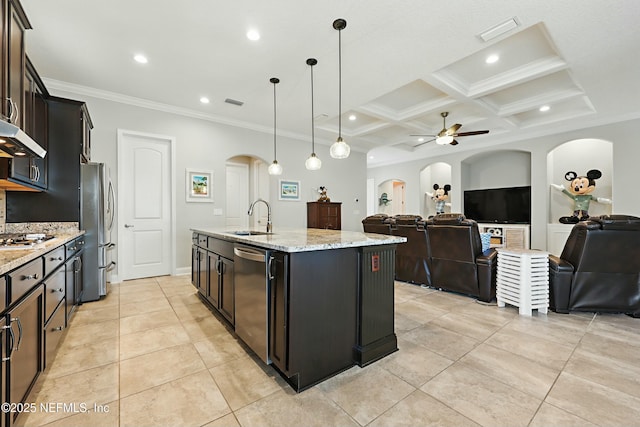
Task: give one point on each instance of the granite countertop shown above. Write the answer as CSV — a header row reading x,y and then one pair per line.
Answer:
x,y
304,239
14,258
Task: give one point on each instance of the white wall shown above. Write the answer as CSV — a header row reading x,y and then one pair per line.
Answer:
x,y
626,152
208,145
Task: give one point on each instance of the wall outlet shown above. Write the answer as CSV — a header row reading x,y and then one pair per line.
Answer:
x,y
217,212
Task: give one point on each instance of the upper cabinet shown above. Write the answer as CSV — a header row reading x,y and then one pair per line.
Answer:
x,y
23,107
13,61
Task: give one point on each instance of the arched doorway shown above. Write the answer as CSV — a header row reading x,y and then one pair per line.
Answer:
x,y
436,173
391,197
247,179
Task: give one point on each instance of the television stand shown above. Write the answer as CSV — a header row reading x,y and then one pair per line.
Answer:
x,y
507,236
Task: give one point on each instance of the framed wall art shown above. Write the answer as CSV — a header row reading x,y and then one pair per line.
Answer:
x,y
289,190
199,186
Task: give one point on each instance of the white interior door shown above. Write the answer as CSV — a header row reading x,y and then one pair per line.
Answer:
x,y
145,207
237,176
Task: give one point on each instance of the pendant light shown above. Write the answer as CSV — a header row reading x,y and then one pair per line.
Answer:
x,y
274,168
339,149
313,163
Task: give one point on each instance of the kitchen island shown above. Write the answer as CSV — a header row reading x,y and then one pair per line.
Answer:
x,y
327,295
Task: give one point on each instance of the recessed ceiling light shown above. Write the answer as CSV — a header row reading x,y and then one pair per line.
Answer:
x,y
420,139
204,100
492,59
545,108
253,35
371,157
140,59
352,117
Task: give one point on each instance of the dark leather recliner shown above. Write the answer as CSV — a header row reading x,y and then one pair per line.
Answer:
x,y
412,257
378,223
599,269
457,261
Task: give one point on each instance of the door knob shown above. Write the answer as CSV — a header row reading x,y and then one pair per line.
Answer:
x,y
128,226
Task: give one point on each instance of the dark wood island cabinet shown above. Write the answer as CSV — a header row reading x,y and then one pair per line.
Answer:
x,y
329,304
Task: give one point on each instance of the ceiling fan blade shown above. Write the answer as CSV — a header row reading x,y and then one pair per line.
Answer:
x,y
422,143
454,142
432,136
453,129
475,132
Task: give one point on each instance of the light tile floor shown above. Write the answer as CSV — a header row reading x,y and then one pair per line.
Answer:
x,y
151,354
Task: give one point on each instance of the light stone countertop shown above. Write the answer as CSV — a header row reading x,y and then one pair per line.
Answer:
x,y
11,259
303,239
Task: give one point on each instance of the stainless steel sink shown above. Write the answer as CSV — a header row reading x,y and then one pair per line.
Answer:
x,y
250,233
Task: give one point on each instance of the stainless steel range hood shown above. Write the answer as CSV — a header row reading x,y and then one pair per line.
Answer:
x,y
15,142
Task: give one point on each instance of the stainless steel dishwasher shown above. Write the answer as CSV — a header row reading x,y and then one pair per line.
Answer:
x,y
251,279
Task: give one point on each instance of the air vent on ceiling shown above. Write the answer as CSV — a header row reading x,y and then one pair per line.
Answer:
x,y
498,30
233,101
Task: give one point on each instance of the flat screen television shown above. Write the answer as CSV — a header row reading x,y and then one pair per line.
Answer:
x,y
499,205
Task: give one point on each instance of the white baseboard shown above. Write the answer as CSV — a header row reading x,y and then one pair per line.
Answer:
x,y
181,271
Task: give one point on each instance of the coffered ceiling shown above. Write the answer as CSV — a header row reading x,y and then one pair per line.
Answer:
x,y
403,63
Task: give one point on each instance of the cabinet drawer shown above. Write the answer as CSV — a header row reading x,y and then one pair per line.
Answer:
x,y
24,278
74,246
53,260
53,331
221,247
54,291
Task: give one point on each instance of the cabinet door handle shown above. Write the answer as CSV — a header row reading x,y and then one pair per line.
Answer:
x,y
270,267
11,110
128,226
13,341
56,259
57,328
30,276
17,347
54,290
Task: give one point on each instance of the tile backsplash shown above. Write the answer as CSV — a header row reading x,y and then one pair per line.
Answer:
x,y
32,227
41,227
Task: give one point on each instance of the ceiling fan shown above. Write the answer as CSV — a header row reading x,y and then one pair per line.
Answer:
x,y
449,135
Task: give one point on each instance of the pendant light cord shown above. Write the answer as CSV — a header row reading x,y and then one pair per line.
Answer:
x,y
313,138
274,121
339,83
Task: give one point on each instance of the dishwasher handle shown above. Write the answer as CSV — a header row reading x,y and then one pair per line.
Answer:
x,y
250,254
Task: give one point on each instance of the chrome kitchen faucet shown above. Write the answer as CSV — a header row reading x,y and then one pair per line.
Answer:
x,y
250,212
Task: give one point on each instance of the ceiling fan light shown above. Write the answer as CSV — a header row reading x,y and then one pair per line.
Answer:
x,y
339,149
444,140
313,163
275,168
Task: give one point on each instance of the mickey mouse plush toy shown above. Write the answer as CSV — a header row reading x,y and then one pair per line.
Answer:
x,y
440,196
580,189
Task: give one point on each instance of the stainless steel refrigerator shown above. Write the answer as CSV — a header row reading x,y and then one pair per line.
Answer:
x,y
97,213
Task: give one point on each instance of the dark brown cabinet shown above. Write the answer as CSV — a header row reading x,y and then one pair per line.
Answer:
x,y
212,273
325,215
32,171
226,298
66,126
25,347
14,60
3,365
279,314
73,271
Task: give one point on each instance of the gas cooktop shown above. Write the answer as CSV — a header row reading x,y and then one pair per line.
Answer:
x,y
22,241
